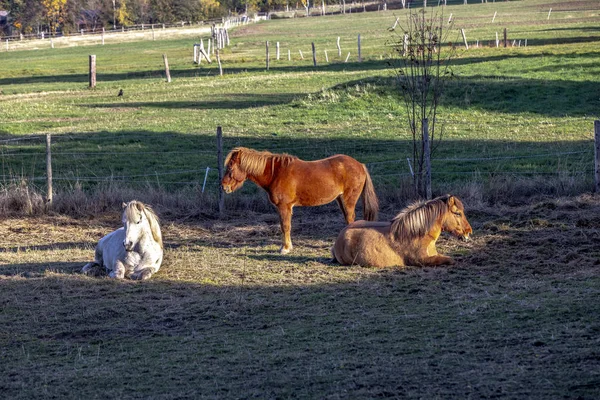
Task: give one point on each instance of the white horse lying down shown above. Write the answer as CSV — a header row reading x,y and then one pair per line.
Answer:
x,y
135,250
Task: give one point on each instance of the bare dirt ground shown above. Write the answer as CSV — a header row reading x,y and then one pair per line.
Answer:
x,y
227,316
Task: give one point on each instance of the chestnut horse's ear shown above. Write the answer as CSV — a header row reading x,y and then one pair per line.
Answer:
x,y
450,200
234,156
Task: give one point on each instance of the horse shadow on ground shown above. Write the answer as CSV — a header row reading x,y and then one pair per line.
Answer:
x,y
45,247
39,270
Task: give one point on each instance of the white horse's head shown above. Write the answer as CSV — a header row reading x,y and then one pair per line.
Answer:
x,y
139,222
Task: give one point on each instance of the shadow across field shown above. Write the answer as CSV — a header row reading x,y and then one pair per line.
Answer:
x,y
231,101
522,297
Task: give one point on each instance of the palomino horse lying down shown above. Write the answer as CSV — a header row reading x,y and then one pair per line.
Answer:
x,y
408,239
291,182
135,250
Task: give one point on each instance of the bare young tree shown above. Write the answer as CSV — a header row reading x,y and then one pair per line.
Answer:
x,y
423,66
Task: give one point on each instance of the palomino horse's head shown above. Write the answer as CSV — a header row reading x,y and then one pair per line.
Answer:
x,y
234,175
139,221
455,220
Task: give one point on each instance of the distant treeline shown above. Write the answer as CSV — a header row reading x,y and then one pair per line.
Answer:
x,y
66,16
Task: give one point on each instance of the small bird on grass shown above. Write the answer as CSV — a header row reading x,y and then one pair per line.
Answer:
x,y
120,93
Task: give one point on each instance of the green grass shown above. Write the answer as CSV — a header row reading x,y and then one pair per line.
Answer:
x,y
228,317
537,99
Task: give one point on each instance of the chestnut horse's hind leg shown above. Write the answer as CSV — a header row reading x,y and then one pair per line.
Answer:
x,y
340,201
350,198
285,217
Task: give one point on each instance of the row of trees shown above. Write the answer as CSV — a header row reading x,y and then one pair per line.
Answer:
x,y
34,16
65,16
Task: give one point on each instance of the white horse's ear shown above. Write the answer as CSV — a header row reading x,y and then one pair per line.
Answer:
x,y
124,205
139,206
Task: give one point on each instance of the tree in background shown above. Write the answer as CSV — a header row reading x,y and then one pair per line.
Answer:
x,y
422,72
140,11
162,11
54,13
122,14
211,9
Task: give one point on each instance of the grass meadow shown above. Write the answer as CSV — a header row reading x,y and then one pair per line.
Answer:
x,y
227,316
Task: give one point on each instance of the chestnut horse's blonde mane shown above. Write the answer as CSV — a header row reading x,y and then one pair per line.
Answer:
x,y
253,162
417,219
134,207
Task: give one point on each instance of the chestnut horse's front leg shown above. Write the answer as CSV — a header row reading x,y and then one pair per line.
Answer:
x,y
285,217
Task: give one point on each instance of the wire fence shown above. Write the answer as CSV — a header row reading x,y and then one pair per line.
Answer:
x,y
175,162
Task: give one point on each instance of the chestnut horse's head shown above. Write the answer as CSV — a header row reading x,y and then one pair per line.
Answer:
x,y
455,220
234,176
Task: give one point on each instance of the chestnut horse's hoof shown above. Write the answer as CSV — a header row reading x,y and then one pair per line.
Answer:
x,y
283,250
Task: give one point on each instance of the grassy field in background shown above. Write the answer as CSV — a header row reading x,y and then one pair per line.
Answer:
x,y
227,316
504,103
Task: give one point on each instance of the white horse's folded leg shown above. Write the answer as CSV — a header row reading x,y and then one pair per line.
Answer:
x,y
88,267
142,274
119,271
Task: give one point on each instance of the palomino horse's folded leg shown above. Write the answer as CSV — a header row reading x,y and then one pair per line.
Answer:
x,y
438,260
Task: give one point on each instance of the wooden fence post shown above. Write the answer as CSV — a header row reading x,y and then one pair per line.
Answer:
x,y
48,171
359,55
220,168
267,49
505,38
597,154
219,62
93,71
339,48
167,72
427,158
314,54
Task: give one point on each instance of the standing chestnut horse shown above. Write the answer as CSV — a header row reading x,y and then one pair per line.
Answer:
x,y
291,182
408,239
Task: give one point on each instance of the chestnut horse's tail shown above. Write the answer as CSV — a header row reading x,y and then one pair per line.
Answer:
x,y
370,202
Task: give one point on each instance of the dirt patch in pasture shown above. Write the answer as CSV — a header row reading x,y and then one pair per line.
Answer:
x,y
556,235
227,316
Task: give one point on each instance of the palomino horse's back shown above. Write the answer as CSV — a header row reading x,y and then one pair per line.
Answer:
x,y
366,243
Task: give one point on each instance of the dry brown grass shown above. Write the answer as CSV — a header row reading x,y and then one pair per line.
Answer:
x,y
228,317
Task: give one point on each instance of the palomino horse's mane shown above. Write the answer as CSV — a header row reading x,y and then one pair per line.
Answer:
x,y
418,218
253,162
134,207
